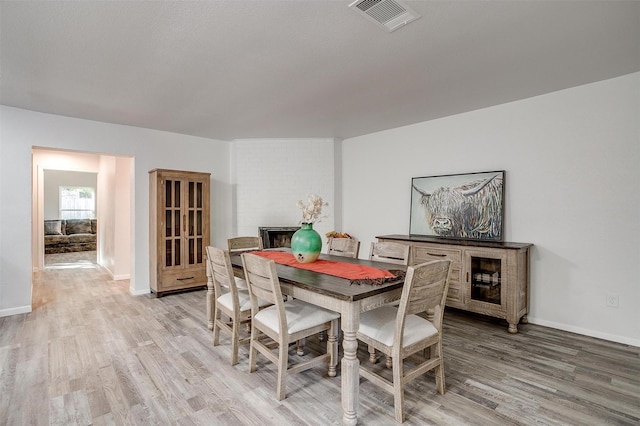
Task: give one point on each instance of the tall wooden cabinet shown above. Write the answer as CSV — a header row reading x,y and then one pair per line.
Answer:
x,y
178,229
490,278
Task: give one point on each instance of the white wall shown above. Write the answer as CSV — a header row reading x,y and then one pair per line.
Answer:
x,y
54,179
20,130
572,188
271,175
114,212
122,229
106,212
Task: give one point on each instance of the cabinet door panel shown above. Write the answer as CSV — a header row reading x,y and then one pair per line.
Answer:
x,y
172,248
195,223
485,274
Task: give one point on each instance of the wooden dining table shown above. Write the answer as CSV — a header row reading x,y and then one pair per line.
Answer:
x,y
339,295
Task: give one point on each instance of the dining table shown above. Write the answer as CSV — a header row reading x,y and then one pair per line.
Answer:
x,y
347,297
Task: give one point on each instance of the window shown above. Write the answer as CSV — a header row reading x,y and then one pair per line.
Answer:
x,y
77,202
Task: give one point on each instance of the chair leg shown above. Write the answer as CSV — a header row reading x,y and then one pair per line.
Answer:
x,y
235,339
283,358
439,370
211,302
300,347
332,348
253,352
398,389
372,355
216,327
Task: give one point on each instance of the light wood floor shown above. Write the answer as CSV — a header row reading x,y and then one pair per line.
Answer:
x,y
90,353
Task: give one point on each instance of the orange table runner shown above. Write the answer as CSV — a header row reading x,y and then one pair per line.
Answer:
x,y
357,274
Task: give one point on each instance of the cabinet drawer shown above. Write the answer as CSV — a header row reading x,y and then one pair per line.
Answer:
x,y
426,254
183,279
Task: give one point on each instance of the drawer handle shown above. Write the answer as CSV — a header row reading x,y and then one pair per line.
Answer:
x,y
185,278
436,254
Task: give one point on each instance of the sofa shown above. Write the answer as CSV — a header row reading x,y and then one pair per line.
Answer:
x,y
68,235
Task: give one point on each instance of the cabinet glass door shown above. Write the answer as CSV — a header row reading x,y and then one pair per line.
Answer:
x,y
173,234
195,228
486,279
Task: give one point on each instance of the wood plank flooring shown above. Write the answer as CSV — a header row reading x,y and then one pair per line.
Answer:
x,y
90,353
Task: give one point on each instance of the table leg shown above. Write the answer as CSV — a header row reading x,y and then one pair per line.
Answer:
x,y
210,297
350,365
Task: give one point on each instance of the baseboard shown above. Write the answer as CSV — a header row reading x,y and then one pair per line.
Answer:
x,y
591,333
135,292
15,311
120,277
115,277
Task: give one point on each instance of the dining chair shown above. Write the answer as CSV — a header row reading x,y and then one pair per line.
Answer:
x,y
346,247
403,332
242,244
230,300
284,322
390,252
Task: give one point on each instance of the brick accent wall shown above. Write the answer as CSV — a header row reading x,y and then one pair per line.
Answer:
x,y
271,175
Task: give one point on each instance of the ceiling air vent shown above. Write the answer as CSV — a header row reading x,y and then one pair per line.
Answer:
x,y
388,14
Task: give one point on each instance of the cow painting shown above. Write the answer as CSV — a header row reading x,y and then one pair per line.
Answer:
x,y
469,210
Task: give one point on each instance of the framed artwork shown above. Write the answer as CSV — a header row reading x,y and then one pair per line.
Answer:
x,y
460,206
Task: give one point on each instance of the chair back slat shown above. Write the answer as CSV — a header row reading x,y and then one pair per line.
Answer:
x,y
222,272
390,252
263,282
425,290
346,247
243,244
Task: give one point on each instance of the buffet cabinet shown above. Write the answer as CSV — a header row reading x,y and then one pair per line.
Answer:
x,y
178,229
487,277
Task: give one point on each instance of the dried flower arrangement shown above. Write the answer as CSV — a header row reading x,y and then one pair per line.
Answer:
x,y
336,234
312,211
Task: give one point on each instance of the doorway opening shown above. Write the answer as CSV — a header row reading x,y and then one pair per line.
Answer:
x,y
94,194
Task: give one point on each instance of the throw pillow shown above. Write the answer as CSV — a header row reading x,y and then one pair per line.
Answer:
x,y
78,226
52,227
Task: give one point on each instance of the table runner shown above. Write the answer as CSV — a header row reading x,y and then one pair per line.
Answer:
x,y
356,274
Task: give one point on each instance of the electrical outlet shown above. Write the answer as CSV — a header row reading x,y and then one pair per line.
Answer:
x,y
613,300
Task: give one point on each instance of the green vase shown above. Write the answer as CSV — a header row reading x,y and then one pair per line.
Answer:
x,y
306,244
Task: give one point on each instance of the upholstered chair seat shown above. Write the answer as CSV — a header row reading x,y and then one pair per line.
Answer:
x,y
244,300
380,324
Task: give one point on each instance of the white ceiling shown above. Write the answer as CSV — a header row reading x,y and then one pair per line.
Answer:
x,y
284,69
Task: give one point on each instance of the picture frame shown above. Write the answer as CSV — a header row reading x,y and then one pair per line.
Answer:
x,y
467,206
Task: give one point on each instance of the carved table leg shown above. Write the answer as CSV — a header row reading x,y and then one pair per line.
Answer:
x,y
350,364
332,348
210,300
